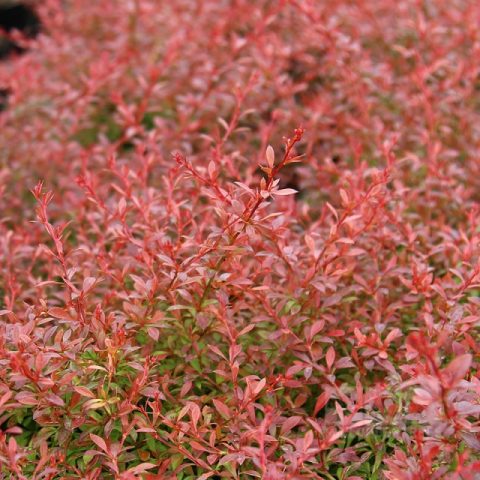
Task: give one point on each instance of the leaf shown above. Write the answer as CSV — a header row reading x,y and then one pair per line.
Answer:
x,y
270,154
247,329
344,197
395,333
204,476
456,370
57,312
176,460
85,392
12,447
330,357
94,404
100,442
6,397
195,413
422,397
211,169
360,423
245,187
223,123
216,350
317,327
259,386
55,400
284,191
187,386
26,398
335,436
289,424
322,400
222,409
141,468
197,446
88,283
353,252
97,367
153,333
307,440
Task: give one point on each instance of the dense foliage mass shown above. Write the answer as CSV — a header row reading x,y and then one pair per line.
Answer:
x,y
241,239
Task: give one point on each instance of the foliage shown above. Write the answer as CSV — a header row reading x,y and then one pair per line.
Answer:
x,y
171,307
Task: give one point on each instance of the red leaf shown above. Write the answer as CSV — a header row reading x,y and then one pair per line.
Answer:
x,y
322,400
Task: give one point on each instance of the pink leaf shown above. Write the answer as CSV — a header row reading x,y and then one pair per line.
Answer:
x,y
197,446
5,397
222,408
270,154
26,398
186,388
55,400
57,312
259,386
290,423
195,414
100,442
360,423
88,283
456,370
285,191
330,357
153,333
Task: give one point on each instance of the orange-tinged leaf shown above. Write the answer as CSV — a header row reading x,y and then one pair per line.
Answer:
x,y
85,392
61,313
142,467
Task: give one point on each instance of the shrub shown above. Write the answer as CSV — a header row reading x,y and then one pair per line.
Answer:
x,y
241,240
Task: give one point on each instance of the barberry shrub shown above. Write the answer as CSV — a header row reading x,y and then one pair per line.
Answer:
x,y
240,239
